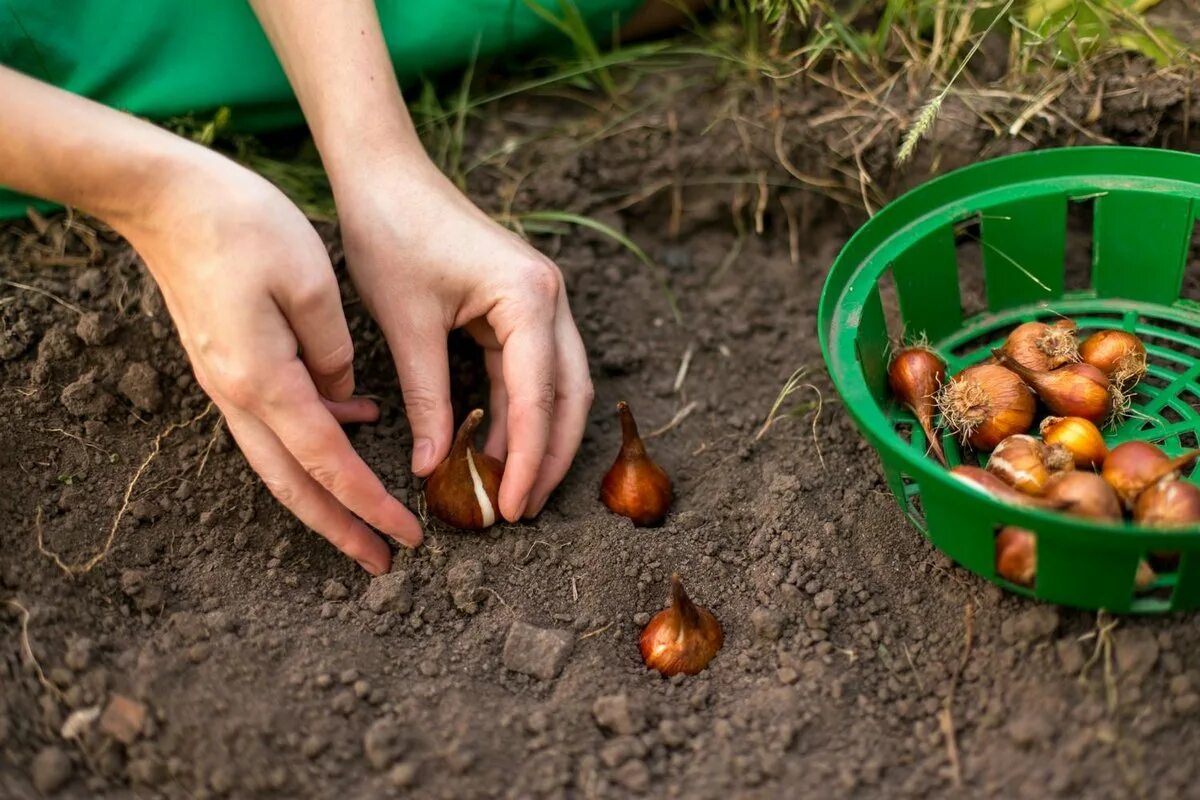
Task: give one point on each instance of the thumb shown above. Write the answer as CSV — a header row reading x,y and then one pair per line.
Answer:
x,y
423,367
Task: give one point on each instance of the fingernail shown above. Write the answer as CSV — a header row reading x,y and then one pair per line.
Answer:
x,y
374,569
422,454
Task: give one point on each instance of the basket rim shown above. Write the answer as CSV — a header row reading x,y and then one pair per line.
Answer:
x,y
950,198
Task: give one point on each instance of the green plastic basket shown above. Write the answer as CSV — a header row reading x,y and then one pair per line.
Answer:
x,y
1145,208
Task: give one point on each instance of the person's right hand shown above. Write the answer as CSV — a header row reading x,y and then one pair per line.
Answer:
x,y
251,289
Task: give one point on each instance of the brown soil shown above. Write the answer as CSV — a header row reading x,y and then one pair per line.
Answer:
x,y
857,660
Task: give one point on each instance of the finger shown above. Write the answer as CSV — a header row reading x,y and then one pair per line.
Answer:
x,y
304,497
314,313
294,411
356,409
497,438
423,367
573,400
528,361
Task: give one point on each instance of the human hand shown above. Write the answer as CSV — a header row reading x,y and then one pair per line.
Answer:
x,y
426,260
249,285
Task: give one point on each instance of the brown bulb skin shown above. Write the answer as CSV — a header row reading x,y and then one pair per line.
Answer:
x,y
1118,354
682,638
1042,346
1169,504
985,481
1026,464
464,490
1076,390
986,404
1016,555
1133,467
915,376
635,487
1084,494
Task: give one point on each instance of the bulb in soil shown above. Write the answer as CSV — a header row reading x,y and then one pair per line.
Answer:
x,y
1133,467
1026,464
635,487
1080,437
915,376
985,404
682,638
1042,346
463,490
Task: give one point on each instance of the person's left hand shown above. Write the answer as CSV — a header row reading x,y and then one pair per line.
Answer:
x,y
425,261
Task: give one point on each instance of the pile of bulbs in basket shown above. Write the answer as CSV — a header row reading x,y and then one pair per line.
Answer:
x,y
463,491
1069,467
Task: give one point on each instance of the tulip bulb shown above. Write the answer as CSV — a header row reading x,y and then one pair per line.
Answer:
x,y
988,483
1042,346
1026,464
915,376
463,490
1016,555
635,486
1133,467
1084,494
1079,436
1076,390
681,638
1169,504
985,404
1118,354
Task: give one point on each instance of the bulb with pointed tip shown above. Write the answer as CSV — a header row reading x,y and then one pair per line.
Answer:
x,y
681,638
1133,467
635,486
463,490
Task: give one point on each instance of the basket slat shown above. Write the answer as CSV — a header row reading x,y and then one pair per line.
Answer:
x,y
1140,245
1024,244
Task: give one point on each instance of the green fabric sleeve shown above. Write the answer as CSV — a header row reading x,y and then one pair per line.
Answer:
x,y
163,58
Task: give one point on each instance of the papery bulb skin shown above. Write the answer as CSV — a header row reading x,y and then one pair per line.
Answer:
x,y
1016,555
1084,494
1169,504
985,404
1079,436
1043,346
1075,390
682,638
464,490
1026,464
1118,354
635,486
986,482
1133,467
915,375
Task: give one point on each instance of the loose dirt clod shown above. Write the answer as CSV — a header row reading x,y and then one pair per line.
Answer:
x,y
540,652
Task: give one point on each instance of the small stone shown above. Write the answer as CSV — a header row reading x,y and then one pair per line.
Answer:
x,y
1186,703
1180,684
95,328
621,749
403,774
345,702
327,611
390,592
383,743
1137,652
334,590
139,385
86,397
615,714
313,745
324,680
825,599
464,580
348,676
51,769
540,652
787,675
1029,727
1029,626
1070,656
768,623
124,718
131,581
672,733
634,776
361,689
147,771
